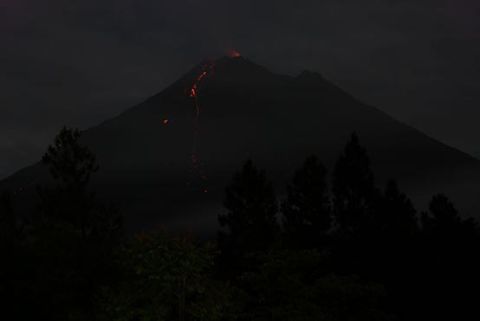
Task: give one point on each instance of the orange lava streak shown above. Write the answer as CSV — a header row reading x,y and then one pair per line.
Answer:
x,y
194,88
193,93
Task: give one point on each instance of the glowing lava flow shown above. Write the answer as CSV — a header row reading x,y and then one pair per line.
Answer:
x,y
193,93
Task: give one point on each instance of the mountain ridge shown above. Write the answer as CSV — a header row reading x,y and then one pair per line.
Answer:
x,y
161,148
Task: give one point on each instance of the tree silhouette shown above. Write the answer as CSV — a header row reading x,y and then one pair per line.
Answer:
x,y
8,224
378,264
388,255
74,234
353,188
306,210
396,215
444,220
250,222
71,165
448,265
16,265
8,240
70,162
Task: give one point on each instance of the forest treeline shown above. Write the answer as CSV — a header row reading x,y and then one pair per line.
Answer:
x,y
336,247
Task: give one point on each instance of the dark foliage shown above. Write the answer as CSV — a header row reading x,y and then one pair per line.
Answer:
x,y
297,285
165,278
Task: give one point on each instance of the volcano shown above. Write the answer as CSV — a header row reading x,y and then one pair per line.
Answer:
x,y
167,160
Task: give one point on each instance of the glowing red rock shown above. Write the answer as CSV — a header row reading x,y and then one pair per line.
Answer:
x,y
232,53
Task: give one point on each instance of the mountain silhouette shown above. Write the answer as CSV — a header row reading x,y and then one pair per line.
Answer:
x,y
167,160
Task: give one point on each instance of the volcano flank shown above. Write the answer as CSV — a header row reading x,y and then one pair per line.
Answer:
x,y
167,160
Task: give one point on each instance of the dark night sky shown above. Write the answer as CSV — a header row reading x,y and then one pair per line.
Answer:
x,y
79,62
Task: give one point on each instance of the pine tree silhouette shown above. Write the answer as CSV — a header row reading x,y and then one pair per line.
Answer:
x,y
250,222
444,221
396,215
353,188
75,235
71,166
449,262
8,238
8,228
306,210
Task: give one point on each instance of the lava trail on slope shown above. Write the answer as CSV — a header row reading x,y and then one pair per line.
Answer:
x,y
193,92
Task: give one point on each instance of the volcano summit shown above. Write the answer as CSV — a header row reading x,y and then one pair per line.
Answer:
x,y
167,160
